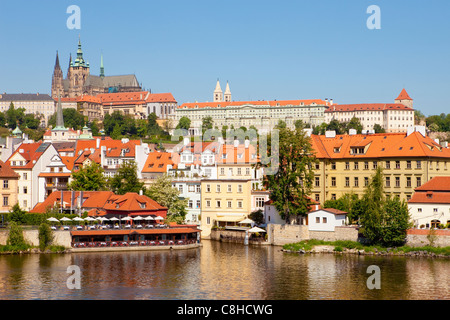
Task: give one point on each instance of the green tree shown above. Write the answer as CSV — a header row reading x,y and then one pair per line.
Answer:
x,y
396,222
378,128
15,236
153,127
126,179
94,128
45,236
291,183
184,123
168,196
17,215
88,178
72,119
257,216
354,123
207,123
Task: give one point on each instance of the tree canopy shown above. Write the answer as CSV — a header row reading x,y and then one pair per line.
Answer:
x,y
126,179
88,178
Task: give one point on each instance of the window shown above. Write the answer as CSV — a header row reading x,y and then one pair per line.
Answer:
x,y
333,181
198,189
347,166
229,205
324,220
208,188
208,203
388,182
180,188
259,202
366,181
222,171
418,181
191,188
197,204
317,197
435,209
5,184
347,181
419,209
397,164
239,204
397,182
333,196
240,188
408,164
317,182
239,171
317,219
229,188
366,165
333,166
408,182
218,203
247,171
356,182
190,204
356,166
375,165
5,201
317,166
388,164
208,220
218,188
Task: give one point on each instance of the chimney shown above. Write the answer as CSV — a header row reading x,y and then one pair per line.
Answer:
x,y
331,102
97,145
236,143
247,143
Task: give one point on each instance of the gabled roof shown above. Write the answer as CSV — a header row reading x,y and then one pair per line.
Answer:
x,y
382,145
30,152
93,199
132,202
403,95
330,210
430,197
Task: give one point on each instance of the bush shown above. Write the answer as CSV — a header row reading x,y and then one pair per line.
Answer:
x,y
45,236
15,237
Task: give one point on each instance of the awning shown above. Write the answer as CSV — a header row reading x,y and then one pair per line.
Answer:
x,y
229,218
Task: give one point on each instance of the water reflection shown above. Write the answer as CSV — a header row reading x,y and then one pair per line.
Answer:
x,y
221,271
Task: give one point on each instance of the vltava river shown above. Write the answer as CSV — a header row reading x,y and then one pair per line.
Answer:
x,y
222,271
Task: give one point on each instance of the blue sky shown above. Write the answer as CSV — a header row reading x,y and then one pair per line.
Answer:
x,y
265,49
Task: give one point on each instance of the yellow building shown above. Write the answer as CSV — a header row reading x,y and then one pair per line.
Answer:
x,y
347,163
9,186
224,201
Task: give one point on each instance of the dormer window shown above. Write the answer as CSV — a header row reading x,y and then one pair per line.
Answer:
x,y
142,205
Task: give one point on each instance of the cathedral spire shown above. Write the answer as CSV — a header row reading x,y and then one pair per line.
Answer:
x,y
218,94
57,66
227,94
59,117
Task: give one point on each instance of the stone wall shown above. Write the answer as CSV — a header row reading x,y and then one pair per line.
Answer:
x,y
423,237
61,238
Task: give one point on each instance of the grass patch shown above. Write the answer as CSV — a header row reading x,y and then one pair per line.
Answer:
x,y
340,245
14,248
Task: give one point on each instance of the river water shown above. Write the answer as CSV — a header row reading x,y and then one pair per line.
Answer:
x,y
222,271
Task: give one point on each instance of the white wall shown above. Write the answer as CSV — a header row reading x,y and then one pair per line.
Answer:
x,y
332,221
428,212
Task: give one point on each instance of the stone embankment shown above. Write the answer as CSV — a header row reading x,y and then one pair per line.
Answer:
x,y
387,252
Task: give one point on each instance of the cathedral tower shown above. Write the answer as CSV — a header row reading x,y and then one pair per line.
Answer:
x,y
227,95
218,94
57,80
78,73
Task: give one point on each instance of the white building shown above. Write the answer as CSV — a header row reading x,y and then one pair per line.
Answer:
x,y
262,114
326,219
29,160
33,103
393,117
430,204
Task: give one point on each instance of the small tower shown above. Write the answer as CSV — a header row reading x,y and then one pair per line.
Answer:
x,y
227,94
102,68
218,94
404,99
57,79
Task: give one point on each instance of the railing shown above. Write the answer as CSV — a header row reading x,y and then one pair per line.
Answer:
x,y
131,243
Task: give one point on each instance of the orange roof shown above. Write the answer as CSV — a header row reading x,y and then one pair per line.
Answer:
x,y
29,151
229,154
6,171
93,199
68,161
331,210
157,162
430,197
132,202
436,184
366,106
272,103
110,144
134,231
380,145
403,95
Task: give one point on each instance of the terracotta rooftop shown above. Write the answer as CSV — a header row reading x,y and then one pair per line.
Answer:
x,y
367,106
403,95
436,184
7,172
272,103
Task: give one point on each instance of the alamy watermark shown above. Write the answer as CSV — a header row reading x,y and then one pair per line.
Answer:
x,y
374,280
74,280
374,21
74,20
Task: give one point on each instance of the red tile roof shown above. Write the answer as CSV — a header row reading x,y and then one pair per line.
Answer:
x,y
403,95
131,202
273,103
7,172
436,184
157,162
29,152
380,145
366,106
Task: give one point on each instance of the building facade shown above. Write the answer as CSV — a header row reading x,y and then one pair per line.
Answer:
x,y
392,117
41,105
346,163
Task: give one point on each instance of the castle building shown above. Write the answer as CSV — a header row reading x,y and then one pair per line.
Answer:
x,y
80,81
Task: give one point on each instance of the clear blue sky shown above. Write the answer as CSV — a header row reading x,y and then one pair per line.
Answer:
x,y
265,49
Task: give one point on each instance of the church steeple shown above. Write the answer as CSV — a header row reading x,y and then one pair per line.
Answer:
x,y
59,118
218,94
57,79
227,95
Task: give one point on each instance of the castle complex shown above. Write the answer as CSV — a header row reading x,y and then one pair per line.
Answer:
x,y
80,81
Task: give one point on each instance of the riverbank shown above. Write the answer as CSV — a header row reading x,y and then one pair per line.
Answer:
x,y
352,247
